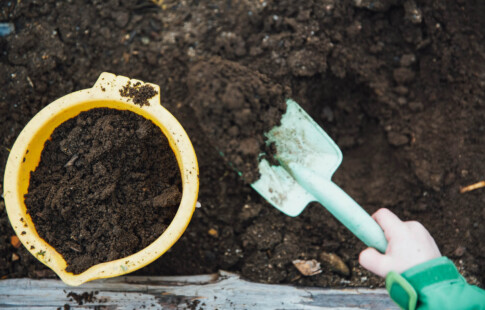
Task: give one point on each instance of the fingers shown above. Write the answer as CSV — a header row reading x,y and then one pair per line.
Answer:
x,y
375,262
410,244
389,222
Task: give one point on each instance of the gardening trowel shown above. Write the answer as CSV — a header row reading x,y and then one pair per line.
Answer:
x,y
308,157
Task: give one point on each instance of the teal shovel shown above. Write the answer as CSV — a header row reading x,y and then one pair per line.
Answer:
x,y
308,158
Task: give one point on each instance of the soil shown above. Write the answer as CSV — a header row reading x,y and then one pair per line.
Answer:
x,y
138,93
107,186
399,85
235,106
82,298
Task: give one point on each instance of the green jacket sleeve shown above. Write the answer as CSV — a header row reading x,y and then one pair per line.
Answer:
x,y
435,284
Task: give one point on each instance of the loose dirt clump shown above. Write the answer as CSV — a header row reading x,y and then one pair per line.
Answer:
x,y
235,106
139,93
83,298
106,187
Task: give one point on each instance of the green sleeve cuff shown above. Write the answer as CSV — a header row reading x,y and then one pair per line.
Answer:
x,y
401,292
431,272
405,289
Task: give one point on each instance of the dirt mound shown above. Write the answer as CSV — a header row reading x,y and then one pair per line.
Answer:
x,y
235,106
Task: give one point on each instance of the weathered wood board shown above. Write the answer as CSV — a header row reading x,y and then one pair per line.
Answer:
x,y
216,291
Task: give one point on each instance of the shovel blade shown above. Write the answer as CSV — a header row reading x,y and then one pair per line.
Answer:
x,y
299,140
280,189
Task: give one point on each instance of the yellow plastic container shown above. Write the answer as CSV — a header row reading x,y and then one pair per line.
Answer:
x,y
25,157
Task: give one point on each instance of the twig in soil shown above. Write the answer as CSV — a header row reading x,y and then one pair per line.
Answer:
x,y
472,187
71,161
298,277
30,82
73,246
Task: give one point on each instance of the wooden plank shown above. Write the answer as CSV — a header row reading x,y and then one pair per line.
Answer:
x,y
216,291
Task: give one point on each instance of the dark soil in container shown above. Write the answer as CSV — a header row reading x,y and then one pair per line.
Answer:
x,y
398,85
107,186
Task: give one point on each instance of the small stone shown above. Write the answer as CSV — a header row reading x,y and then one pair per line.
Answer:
x,y
307,267
191,52
214,233
15,242
145,40
401,100
328,5
459,251
335,263
15,257
397,139
169,38
412,12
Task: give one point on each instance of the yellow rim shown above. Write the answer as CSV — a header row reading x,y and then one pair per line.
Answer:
x,y
25,156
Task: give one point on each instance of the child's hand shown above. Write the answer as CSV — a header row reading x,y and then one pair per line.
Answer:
x,y
410,244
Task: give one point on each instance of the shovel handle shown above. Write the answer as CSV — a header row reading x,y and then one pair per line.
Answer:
x,y
343,207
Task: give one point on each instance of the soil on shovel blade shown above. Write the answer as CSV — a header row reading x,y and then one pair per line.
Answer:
x,y
107,186
399,86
